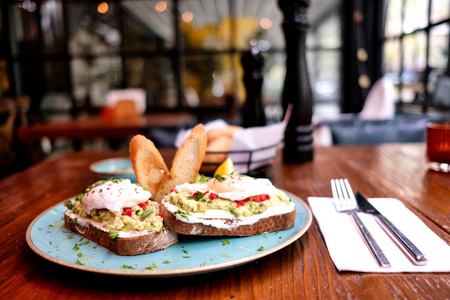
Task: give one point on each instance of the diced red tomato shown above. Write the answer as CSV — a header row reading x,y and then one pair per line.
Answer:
x,y
212,196
127,212
240,203
143,205
161,215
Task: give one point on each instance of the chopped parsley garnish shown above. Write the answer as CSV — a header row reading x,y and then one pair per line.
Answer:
x,y
68,204
76,247
79,263
186,256
185,251
233,211
226,255
196,196
225,242
184,214
127,267
261,248
200,178
219,177
146,213
74,220
80,255
166,262
152,267
113,234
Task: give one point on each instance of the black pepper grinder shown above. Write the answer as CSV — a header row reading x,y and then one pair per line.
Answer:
x,y
298,147
253,109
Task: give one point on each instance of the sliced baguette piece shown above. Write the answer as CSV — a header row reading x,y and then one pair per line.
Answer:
x,y
265,225
141,244
186,163
148,164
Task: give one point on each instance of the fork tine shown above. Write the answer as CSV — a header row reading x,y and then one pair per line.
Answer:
x,y
334,191
343,194
349,189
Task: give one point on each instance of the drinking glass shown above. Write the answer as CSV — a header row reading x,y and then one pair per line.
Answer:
x,y
438,146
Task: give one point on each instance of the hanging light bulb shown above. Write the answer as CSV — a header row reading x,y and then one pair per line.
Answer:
x,y
103,8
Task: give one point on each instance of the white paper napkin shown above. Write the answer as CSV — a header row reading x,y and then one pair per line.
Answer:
x,y
349,252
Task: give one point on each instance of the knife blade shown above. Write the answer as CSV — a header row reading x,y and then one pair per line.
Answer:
x,y
415,255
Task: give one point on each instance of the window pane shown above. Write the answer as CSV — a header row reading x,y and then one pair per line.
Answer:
x,y
440,10
93,78
414,65
24,29
394,18
392,63
148,25
155,76
52,27
208,78
324,72
416,15
439,47
205,24
274,74
91,32
329,33
259,20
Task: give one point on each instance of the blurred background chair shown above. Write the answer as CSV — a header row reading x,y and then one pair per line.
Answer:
x,y
380,102
377,123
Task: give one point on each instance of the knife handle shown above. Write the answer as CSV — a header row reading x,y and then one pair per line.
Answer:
x,y
402,241
371,243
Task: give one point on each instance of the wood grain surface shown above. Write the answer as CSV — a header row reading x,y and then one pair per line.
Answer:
x,y
303,270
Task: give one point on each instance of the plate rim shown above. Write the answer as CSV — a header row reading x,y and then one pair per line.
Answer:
x,y
171,272
115,172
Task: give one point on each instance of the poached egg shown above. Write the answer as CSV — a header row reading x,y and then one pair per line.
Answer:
x,y
114,195
232,187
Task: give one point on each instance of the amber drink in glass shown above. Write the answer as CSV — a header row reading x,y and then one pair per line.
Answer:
x,y
438,146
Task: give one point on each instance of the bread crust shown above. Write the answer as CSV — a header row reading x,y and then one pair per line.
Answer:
x,y
265,225
141,244
186,163
148,164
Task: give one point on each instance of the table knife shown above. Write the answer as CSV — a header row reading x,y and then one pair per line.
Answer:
x,y
401,240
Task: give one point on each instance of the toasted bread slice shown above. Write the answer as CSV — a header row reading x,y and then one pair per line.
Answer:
x,y
264,225
186,163
135,245
148,164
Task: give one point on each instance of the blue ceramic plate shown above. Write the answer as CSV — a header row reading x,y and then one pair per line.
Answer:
x,y
48,237
113,168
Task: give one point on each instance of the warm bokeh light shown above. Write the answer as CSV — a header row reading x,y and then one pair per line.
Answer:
x,y
161,6
187,16
265,23
103,8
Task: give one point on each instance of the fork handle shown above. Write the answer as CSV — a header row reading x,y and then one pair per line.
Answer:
x,y
381,259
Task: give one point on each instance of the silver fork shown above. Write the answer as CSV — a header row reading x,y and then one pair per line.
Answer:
x,y
345,201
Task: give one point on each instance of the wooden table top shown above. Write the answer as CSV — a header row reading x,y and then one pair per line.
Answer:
x,y
91,127
302,270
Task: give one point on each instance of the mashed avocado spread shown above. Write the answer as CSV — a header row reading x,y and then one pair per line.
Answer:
x,y
142,216
197,198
